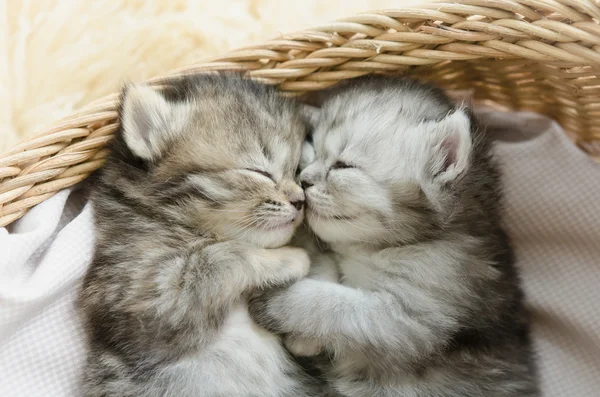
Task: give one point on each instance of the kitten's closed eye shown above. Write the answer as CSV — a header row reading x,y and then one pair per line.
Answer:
x,y
341,165
261,172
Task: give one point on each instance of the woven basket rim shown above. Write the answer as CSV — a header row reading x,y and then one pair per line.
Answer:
x,y
521,54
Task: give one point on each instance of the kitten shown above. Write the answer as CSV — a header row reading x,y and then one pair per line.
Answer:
x,y
405,193
192,209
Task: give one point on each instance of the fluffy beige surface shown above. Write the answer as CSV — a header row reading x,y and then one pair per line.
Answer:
x,y
57,55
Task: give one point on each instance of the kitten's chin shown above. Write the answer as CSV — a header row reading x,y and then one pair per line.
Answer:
x,y
271,238
346,230
273,234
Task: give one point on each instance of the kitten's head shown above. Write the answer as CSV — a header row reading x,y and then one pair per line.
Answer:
x,y
389,157
217,154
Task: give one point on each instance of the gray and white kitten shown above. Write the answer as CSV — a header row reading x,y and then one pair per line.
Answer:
x,y
423,298
192,209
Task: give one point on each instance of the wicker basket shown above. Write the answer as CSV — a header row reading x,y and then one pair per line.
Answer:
x,y
538,55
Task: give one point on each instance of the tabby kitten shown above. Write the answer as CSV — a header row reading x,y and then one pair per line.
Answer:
x,y
428,302
192,209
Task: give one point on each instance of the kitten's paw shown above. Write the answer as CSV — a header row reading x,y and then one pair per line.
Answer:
x,y
302,347
294,262
324,267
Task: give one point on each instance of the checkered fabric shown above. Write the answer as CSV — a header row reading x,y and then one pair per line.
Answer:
x,y
552,192
552,214
43,257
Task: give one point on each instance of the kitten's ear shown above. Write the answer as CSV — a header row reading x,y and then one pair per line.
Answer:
x,y
311,114
452,146
147,119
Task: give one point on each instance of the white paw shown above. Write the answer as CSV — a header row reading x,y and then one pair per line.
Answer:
x,y
298,260
302,347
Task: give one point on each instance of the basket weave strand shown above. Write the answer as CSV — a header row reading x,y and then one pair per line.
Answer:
x,y
536,55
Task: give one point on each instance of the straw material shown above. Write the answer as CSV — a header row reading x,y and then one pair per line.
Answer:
x,y
537,55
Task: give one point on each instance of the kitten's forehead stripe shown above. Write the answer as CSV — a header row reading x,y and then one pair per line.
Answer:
x,y
334,143
336,121
247,127
264,147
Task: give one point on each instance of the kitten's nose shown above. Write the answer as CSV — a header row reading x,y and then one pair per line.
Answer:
x,y
298,204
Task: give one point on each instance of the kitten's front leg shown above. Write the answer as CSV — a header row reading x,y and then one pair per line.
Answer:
x,y
339,317
324,268
259,267
317,313
279,266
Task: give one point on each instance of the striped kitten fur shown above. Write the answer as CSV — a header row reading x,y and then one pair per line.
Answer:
x,y
422,297
192,209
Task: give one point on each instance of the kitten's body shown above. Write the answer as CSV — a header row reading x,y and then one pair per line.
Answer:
x,y
428,302
194,190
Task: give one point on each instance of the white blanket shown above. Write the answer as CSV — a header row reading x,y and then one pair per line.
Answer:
x,y
552,214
